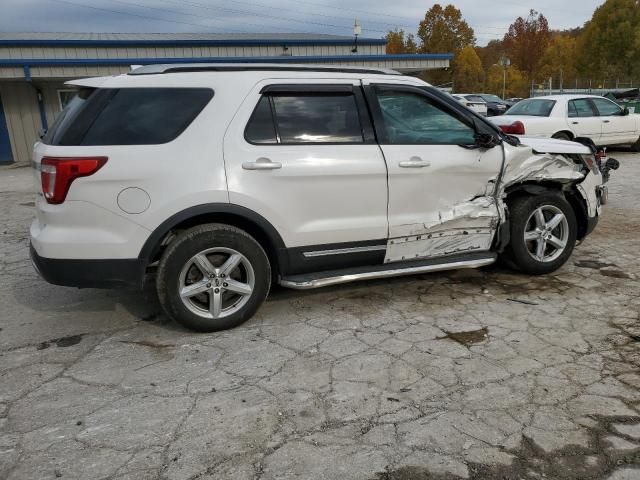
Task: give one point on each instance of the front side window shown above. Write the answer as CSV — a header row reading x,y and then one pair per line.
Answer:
x,y
532,107
606,108
411,118
580,108
127,116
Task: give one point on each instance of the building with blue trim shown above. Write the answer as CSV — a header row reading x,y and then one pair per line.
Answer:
x,y
34,66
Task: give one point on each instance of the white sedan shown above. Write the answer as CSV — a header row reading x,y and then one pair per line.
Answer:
x,y
477,105
569,116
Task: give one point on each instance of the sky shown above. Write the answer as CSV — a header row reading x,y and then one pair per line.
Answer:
x,y
490,19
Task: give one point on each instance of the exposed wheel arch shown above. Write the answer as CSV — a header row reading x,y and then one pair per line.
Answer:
x,y
563,135
568,191
249,221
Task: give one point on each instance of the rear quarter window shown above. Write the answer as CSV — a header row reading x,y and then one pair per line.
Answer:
x,y
127,116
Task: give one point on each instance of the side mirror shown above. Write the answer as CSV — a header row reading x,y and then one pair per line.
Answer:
x,y
486,140
625,111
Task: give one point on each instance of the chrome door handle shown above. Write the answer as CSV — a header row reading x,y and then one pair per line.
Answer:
x,y
261,164
414,162
575,123
606,121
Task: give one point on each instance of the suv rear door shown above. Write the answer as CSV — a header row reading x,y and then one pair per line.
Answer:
x,y
440,187
302,154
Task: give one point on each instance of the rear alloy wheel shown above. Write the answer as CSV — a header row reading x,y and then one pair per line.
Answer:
x,y
213,277
543,233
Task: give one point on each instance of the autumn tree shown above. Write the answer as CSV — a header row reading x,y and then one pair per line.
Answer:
x,y
398,43
516,83
468,74
609,45
559,60
526,42
443,30
491,53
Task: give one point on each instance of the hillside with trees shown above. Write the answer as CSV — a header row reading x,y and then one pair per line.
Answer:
x,y
604,53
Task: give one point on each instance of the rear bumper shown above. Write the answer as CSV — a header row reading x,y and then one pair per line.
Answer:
x,y
110,273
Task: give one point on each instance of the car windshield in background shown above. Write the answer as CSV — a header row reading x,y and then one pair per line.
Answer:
x,y
532,107
475,98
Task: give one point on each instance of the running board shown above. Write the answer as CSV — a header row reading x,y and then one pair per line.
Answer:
x,y
334,277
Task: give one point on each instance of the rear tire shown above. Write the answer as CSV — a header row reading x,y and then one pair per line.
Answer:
x,y
213,277
636,146
543,233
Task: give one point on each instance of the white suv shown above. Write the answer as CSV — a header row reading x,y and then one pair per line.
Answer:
x,y
228,178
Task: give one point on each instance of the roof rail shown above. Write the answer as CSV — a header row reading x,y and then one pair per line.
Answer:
x,y
254,67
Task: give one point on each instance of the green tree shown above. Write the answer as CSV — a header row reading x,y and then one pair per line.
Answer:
x,y
609,46
443,30
526,41
468,74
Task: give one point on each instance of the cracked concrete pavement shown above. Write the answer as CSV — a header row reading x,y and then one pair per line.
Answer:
x,y
466,374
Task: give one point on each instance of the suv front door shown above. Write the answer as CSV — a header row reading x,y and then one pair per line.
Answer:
x,y
302,154
441,186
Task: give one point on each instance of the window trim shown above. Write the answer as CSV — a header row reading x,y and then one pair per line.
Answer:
x,y
308,89
454,108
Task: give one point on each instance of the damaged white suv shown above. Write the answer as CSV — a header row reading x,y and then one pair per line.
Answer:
x,y
228,178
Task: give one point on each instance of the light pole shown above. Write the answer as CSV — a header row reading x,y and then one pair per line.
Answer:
x,y
505,62
357,30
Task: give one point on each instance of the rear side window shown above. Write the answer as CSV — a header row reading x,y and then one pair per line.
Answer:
x,y
127,116
305,118
580,108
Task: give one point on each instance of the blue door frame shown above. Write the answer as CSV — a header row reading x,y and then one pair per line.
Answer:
x,y
5,143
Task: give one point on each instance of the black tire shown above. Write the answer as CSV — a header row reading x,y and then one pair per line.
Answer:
x,y
636,146
518,252
178,258
561,136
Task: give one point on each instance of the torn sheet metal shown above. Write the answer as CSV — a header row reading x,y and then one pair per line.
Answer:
x,y
465,227
523,165
439,244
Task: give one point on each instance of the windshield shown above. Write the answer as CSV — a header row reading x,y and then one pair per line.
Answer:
x,y
532,107
492,98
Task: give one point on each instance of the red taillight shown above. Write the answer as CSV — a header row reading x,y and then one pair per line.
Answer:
x,y
516,128
57,174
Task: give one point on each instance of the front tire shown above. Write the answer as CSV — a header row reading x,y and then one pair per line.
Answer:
x,y
543,233
213,277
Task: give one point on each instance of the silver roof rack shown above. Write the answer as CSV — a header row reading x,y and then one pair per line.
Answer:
x,y
254,67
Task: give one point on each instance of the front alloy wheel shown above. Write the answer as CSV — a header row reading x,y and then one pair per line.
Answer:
x,y
543,233
547,233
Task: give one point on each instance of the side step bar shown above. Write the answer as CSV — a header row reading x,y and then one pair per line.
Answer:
x,y
334,277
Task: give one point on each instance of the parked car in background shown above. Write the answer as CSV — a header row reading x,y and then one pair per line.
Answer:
x,y
495,105
569,116
512,101
478,106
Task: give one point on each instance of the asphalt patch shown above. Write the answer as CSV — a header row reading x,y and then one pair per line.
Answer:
x,y
469,338
61,342
594,264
